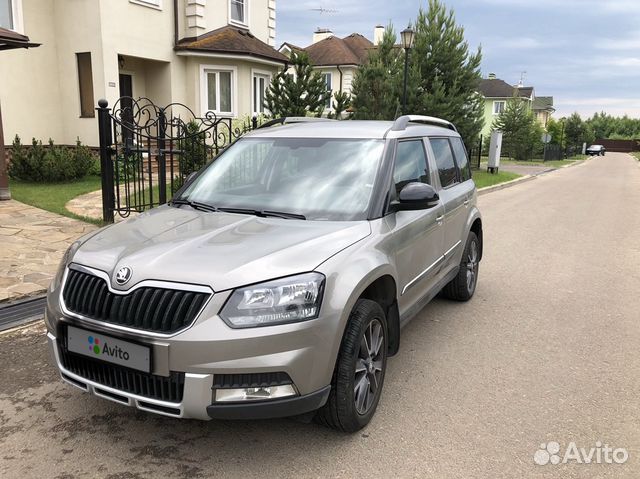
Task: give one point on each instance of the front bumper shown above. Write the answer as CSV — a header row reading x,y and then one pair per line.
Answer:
x,y
196,400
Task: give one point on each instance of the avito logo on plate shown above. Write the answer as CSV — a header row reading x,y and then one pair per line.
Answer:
x,y
116,351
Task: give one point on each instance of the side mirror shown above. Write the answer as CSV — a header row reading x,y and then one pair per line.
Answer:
x,y
417,196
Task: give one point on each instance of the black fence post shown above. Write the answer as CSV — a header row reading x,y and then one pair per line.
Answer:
x,y
162,162
106,165
254,122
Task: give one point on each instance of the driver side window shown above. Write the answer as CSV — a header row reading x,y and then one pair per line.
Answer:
x,y
410,165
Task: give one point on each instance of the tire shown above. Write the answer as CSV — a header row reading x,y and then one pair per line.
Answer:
x,y
354,398
462,287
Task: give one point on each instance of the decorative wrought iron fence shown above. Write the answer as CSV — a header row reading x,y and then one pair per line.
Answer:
x,y
147,151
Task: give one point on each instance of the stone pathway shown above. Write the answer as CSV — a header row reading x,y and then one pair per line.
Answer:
x,y
32,242
88,205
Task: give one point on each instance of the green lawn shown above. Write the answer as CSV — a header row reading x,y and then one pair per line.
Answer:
x,y
636,154
53,196
482,178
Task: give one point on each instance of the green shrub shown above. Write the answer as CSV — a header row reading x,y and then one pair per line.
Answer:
x,y
51,163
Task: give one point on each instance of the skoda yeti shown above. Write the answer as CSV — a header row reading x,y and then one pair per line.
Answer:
x,y
276,281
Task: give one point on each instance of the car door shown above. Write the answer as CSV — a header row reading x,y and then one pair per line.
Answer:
x,y
416,237
454,194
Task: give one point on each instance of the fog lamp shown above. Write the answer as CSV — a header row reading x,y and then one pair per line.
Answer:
x,y
254,394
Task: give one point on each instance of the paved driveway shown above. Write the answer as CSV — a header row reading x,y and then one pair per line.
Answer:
x,y
547,351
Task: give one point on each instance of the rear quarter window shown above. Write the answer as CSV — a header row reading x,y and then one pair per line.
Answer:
x,y
460,153
444,160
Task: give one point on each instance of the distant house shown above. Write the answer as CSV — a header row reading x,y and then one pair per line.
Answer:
x,y
337,59
211,55
497,93
543,109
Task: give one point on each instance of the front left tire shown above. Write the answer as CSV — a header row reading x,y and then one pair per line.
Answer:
x,y
358,377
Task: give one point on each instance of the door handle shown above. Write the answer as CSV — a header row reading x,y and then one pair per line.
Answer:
x,y
440,218
466,202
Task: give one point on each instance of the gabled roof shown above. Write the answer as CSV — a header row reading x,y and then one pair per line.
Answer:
x,y
10,40
543,103
232,41
496,88
351,50
290,46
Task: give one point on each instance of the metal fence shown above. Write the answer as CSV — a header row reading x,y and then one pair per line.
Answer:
x,y
147,151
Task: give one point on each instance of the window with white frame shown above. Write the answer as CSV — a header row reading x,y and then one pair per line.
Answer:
x,y
260,85
7,14
218,91
238,11
327,82
498,107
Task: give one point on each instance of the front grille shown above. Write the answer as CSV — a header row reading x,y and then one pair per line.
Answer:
x,y
150,309
123,379
254,380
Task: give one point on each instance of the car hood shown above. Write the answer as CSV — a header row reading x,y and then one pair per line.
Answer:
x,y
220,250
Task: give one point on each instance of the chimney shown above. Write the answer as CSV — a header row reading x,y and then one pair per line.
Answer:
x,y
378,33
491,76
321,34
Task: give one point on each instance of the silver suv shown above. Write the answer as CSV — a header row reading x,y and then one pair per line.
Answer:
x,y
276,282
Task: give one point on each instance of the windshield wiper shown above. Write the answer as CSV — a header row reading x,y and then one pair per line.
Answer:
x,y
196,205
264,213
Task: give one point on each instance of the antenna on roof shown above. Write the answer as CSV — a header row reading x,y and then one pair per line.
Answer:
x,y
523,75
322,10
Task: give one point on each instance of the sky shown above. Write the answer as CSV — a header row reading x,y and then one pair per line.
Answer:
x,y
584,53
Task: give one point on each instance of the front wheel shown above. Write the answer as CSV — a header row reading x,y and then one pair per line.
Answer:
x,y
359,373
462,287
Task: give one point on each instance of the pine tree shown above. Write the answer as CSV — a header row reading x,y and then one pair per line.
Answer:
x,y
450,74
295,95
521,132
342,101
443,75
376,84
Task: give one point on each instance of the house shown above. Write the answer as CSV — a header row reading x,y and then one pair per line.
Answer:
x,y
337,59
211,55
497,93
543,109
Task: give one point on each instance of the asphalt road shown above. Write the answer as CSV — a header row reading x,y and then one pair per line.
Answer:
x,y
548,350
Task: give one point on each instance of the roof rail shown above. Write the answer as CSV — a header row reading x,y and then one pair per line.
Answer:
x,y
292,119
402,122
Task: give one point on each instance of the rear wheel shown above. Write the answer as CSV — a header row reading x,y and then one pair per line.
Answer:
x,y
359,373
462,287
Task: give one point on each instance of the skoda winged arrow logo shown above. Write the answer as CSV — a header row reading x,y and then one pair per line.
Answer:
x,y
123,275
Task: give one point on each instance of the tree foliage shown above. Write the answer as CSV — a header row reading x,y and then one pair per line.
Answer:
x,y
443,75
450,73
615,128
342,101
296,95
577,132
521,132
376,85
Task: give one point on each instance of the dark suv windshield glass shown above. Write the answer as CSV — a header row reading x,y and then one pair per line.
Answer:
x,y
322,179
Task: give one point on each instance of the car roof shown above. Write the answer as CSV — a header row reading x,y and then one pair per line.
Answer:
x,y
352,129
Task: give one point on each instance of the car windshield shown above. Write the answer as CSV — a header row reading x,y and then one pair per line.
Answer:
x,y
321,179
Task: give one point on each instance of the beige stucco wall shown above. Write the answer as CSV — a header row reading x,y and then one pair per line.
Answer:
x,y
347,78
29,80
39,87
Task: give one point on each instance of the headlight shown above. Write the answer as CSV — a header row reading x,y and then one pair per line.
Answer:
x,y
286,300
66,259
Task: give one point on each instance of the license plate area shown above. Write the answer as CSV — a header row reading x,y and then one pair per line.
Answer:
x,y
103,347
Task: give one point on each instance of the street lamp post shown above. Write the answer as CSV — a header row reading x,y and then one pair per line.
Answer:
x,y
407,35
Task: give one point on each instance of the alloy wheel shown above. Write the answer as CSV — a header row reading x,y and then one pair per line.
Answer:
x,y
472,266
369,363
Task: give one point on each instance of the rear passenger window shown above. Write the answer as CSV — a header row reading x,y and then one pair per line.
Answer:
x,y
410,165
460,153
444,160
